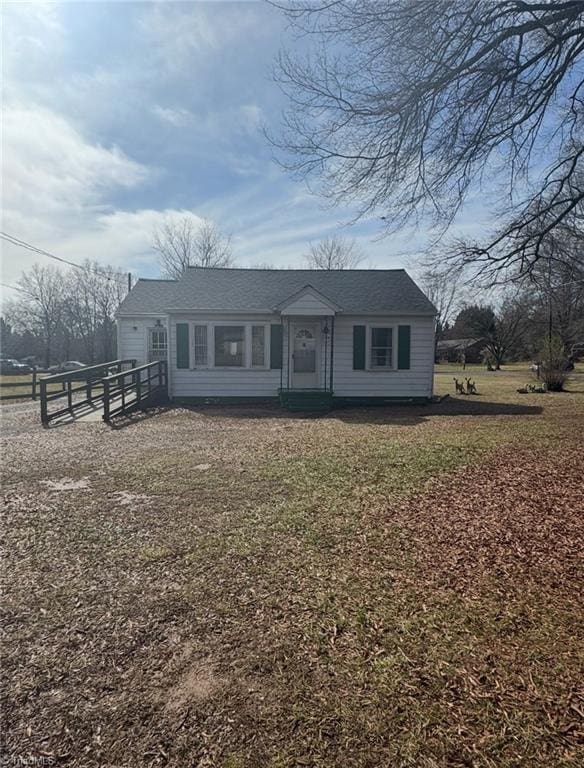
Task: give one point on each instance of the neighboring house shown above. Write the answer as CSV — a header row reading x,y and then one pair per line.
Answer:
x,y
453,350
303,336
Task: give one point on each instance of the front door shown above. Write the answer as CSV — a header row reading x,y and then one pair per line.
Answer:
x,y
157,349
305,356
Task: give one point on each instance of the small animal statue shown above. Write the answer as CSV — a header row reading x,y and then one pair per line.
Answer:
x,y
459,387
471,388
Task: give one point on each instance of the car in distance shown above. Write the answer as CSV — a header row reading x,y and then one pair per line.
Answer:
x,y
67,367
11,366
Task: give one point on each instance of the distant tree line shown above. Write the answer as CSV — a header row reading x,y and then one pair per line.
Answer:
x,y
541,320
64,315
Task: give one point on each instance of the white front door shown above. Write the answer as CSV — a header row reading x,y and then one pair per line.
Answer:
x,y
305,353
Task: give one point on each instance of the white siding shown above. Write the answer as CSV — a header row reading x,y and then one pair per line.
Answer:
x,y
133,336
415,382
222,382
254,382
307,304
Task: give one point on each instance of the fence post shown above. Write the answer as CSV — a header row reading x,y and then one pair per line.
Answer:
x,y
138,385
88,388
34,382
44,413
69,397
106,399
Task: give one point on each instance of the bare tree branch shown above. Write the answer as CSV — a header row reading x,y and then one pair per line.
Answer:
x,y
402,108
334,253
185,242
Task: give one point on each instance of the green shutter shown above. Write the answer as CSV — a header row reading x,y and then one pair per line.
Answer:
x,y
182,345
359,336
403,347
275,346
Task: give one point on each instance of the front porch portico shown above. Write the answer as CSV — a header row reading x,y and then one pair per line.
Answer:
x,y
308,327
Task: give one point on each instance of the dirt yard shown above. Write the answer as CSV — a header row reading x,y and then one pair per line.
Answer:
x,y
243,588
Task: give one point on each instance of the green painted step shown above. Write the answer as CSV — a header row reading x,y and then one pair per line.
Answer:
x,y
308,400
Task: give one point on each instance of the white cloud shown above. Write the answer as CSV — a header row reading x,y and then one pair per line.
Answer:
x,y
251,116
56,183
35,29
177,117
122,238
177,34
50,168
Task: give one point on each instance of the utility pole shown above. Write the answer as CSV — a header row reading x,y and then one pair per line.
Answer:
x,y
129,282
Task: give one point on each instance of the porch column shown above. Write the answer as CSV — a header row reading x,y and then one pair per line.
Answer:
x,y
332,352
288,353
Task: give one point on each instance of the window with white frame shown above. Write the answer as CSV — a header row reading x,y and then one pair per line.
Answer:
x,y
229,346
201,349
381,347
222,345
258,346
157,344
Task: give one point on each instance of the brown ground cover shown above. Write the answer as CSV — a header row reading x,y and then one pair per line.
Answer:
x,y
242,588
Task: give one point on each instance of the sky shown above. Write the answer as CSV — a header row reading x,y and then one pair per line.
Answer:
x,y
119,115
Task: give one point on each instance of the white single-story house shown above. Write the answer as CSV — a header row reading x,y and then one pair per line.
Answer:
x,y
301,336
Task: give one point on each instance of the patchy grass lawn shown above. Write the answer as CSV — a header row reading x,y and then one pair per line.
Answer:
x,y
239,587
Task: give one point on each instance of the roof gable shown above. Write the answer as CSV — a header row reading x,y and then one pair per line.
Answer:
x,y
308,301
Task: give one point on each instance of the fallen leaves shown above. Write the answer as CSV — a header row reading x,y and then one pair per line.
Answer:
x,y
242,588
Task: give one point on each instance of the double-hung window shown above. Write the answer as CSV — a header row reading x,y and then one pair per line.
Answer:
x,y
381,347
258,346
201,356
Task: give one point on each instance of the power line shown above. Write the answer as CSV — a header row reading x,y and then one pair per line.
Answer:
x,y
17,288
23,244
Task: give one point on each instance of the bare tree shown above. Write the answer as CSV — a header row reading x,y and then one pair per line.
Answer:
x,y
404,108
93,295
557,292
109,296
443,290
334,253
65,311
39,307
508,330
184,242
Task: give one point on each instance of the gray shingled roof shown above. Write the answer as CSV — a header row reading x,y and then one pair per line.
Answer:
x,y
148,297
356,291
